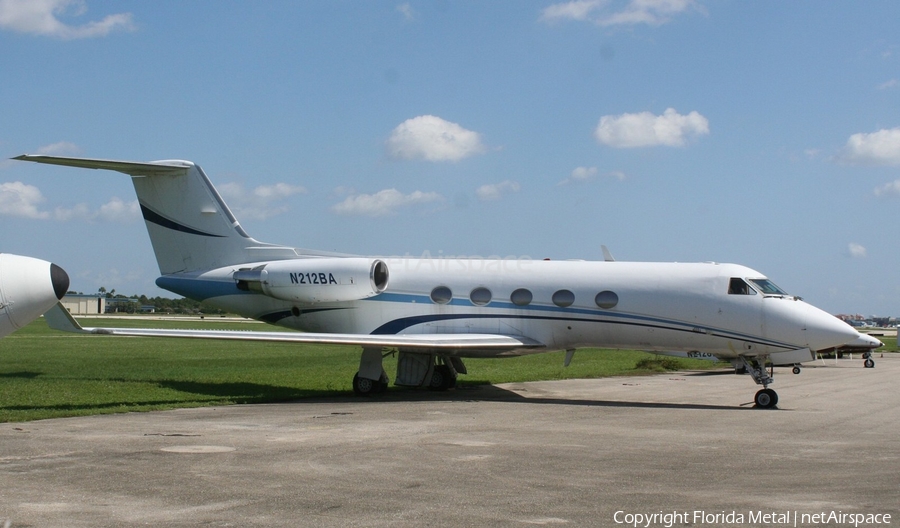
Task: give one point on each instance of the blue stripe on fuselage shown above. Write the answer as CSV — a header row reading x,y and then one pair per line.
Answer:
x,y
553,313
201,289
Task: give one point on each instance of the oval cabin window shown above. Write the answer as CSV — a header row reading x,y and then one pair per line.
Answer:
x,y
521,297
480,296
606,299
563,298
441,295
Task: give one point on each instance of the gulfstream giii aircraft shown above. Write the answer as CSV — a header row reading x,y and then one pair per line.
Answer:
x,y
437,311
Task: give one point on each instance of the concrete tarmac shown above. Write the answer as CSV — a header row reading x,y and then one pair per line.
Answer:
x,y
563,453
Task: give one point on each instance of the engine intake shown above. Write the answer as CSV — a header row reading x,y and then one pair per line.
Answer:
x,y
316,280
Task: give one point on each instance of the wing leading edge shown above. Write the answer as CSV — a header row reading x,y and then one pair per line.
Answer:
x,y
59,318
132,168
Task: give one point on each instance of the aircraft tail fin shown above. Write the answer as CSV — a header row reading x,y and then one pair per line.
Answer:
x,y
190,226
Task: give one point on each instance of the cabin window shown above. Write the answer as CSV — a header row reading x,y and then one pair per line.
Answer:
x,y
768,287
606,299
563,298
521,297
738,286
441,295
480,296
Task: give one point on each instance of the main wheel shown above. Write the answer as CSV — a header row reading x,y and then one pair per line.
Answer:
x,y
364,386
870,363
442,378
766,399
796,370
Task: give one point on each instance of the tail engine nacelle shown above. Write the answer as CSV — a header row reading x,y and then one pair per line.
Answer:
x,y
316,280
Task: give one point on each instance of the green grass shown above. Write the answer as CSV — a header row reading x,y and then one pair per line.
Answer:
x,y
45,374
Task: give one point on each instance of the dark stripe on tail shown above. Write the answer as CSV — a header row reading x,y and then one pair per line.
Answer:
x,y
158,219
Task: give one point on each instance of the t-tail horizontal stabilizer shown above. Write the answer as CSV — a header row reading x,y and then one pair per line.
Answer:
x,y
190,226
132,168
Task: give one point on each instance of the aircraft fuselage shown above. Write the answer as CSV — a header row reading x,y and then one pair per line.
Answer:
x,y
563,304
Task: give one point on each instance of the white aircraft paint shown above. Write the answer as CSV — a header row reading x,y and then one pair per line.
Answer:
x,y
28,288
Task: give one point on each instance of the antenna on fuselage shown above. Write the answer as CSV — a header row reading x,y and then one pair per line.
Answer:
x,y
607,256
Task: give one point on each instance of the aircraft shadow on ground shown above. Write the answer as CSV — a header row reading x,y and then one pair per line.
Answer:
x,y
249,393
213,392
25,374
473,391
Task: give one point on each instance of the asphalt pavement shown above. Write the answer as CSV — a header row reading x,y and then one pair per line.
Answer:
x,y
677,449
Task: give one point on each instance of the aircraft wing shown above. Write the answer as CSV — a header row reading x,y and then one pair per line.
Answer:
x,y
59,318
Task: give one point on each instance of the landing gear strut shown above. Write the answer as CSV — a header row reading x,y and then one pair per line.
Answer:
x,y
869,362
371,378
766,398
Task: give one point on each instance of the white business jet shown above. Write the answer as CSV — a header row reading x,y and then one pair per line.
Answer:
x,y
437,311
28,288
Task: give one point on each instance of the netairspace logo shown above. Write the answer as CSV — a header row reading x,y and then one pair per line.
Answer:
x,y
754,518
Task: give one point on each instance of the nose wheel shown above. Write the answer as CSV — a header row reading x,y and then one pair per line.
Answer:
x,y
869,362
766,399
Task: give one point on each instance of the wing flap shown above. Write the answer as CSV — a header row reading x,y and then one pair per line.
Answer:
x,y
59,318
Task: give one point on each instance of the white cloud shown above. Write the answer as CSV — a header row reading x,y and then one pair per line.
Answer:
x,y
888,189
877,148
646,130
80,211
406,10
495,191
115,210
586,174
580,175
382,203
856,250
260,203
431,138
20,199
39,17
62,148
576,10
605,13
893,83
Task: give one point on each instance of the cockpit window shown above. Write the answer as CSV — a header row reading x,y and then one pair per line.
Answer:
x,y
737,286
768,287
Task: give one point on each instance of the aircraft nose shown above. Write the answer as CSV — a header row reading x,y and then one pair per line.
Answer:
x,y
865,341
60,280
826,331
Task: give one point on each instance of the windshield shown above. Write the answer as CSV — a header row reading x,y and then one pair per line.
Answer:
x,y
767,287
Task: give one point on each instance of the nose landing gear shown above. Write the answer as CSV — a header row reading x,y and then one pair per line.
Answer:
x,y
869,362
766,398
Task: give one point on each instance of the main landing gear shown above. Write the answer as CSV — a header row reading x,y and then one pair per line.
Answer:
x,y
766,398
430,371
366,386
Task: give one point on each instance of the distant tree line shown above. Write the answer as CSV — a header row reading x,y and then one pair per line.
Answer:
x,y
177,306
159,304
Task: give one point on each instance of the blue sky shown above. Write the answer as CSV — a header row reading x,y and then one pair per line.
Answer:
x,y
761,133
